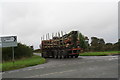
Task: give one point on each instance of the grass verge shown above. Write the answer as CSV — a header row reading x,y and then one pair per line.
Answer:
x,y
34,60
100,53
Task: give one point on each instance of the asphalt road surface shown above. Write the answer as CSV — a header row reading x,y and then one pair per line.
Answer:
x,y
82,67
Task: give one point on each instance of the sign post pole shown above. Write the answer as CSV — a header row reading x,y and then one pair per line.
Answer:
x,y
13,55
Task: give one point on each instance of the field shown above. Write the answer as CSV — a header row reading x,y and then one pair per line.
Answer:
x,y
34,60
100,53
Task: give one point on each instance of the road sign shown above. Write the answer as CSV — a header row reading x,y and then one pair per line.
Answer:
x,y
8,41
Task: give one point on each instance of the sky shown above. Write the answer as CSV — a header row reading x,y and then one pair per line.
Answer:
x,y
31,19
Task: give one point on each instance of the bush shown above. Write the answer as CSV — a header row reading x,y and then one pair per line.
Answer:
x,y
20,51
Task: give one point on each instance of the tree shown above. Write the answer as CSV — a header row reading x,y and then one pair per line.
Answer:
x,y
94,44
101,44
83,44
116,46
97,44
108,47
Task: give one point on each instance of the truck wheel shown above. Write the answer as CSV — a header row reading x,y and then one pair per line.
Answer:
x,y
67,56
63,56
60,57
55,54
71,56
76,56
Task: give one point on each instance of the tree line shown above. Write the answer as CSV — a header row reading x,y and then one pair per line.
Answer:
x,y
98,44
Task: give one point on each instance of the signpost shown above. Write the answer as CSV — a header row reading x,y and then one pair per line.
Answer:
x,y
8,41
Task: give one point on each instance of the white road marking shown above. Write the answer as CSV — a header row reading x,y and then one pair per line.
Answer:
x,y
14,71
24,70
39,67
29,69
112,58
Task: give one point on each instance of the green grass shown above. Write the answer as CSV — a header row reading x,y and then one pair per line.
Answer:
x,y
34,60
100,53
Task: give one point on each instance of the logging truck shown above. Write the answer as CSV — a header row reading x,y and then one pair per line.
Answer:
x,y
64,46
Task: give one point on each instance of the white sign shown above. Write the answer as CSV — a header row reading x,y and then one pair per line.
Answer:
x,y
8,41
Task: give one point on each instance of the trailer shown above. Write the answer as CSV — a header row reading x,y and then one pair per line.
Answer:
x,y
64,46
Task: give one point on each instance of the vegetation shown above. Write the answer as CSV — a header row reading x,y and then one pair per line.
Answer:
x,y
98,44
23,58
83,44
100,53
21,51
34,60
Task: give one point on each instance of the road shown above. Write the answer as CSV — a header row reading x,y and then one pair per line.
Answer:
x,y
82,67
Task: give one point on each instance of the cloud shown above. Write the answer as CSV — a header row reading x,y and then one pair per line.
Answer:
x,y
30,20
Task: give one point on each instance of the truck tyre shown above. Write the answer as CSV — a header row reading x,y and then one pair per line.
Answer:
x,y
55,54
76,56
60,57
60,54
71,56
67,56
64,54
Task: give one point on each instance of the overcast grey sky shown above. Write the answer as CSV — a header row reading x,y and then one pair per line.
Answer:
x,y
31,19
